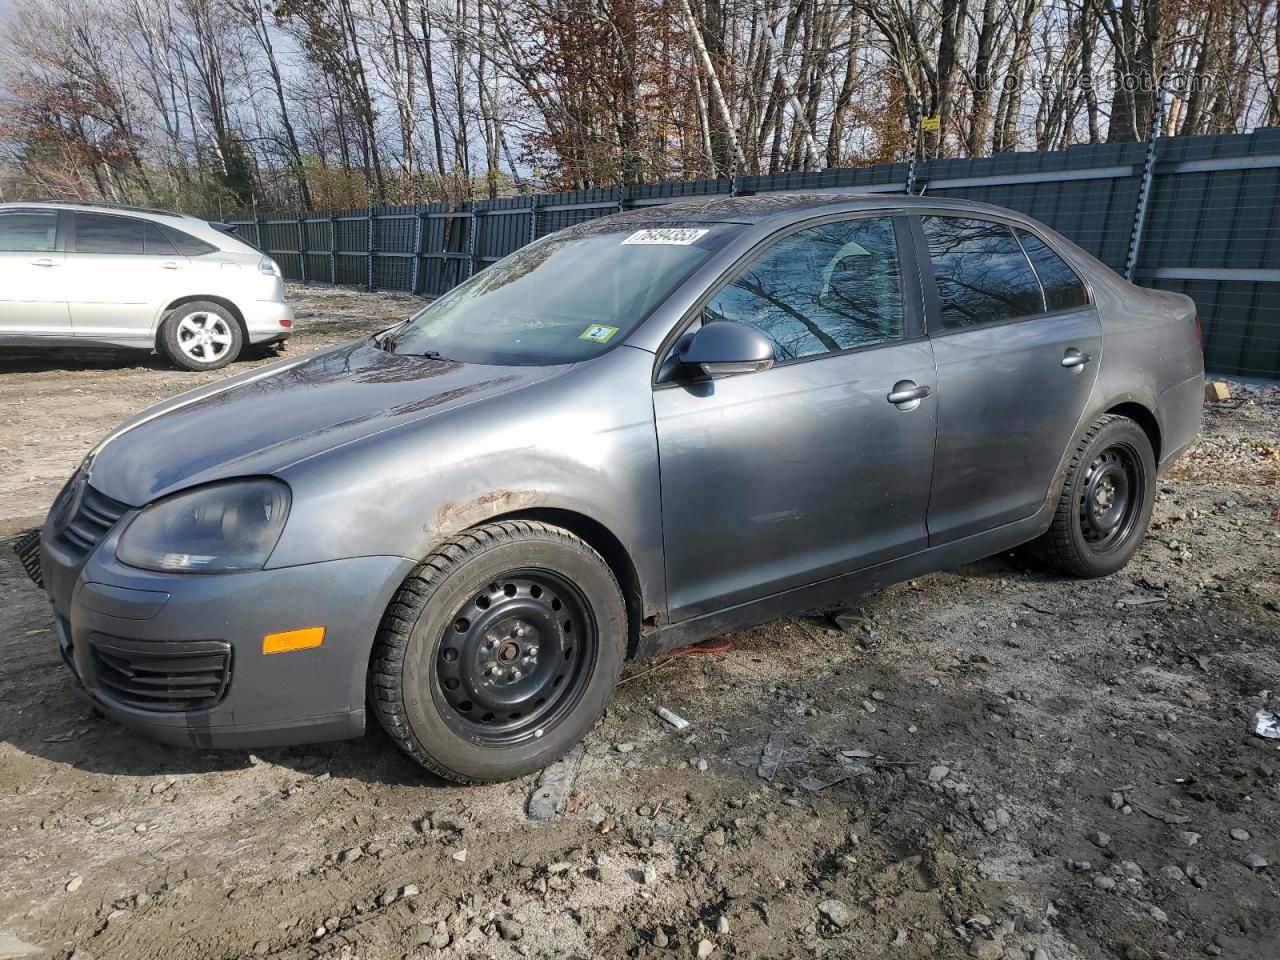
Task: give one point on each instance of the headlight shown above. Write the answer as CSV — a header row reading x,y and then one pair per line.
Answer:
x,y
221,528
269,267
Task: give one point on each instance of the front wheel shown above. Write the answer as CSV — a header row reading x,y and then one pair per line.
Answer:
x,y
1106,501
499,652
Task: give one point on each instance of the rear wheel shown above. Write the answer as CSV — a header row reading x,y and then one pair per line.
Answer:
x,y
201,336
1106,501
500,652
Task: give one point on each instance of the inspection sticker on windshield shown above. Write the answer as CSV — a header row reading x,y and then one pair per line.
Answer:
x,y
676,236
598,333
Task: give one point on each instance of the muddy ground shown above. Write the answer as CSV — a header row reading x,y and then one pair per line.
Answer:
x,y
989,762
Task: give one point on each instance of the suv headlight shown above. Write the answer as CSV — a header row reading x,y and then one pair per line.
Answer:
x,y
222,528
269,267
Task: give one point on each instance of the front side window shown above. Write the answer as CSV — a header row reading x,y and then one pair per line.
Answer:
x,y
822,290
568,297
1062,288
102,233
28,232
983,276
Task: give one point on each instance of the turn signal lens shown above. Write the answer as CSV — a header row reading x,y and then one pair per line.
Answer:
x,y
303,639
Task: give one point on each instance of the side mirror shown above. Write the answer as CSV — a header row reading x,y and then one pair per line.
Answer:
x,y
725,346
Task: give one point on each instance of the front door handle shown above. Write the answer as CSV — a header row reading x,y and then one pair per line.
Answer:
x,y
44,262
1074,359
906,395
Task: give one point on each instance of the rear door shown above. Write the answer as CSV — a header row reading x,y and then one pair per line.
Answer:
x,y
1017,350
120,272
33,300
784,477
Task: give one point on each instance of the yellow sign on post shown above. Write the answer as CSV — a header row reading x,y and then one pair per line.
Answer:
x,y
931,124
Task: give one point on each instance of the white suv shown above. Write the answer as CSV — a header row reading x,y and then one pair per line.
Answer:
x,y
92,275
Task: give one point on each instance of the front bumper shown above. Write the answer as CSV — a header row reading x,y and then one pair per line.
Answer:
x,y
267,321
180,658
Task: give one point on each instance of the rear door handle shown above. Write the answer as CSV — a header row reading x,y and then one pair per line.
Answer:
x,y
906,395
171,265
1074,358
44,262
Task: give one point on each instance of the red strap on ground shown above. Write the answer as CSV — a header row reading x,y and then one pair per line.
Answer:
x,y
707,646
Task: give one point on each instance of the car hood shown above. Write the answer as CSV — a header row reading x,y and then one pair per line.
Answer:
x,y
262,421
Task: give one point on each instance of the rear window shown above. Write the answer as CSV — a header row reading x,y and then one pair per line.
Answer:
x,y
983,275
1063,290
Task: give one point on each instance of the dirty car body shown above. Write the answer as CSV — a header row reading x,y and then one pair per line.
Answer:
x,y
914,431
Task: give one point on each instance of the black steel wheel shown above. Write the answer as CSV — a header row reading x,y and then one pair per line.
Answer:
x,y
515,657
1106,501
499,652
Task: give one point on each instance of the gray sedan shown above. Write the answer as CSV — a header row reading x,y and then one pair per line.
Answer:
x,y
637,433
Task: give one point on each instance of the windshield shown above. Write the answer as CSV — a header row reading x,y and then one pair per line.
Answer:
x,y
562,299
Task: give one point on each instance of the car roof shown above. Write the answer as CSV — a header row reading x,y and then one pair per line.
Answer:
x,y
780,208
90,206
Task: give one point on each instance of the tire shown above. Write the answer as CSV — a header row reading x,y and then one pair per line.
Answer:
x,y
474,673
1112,463
201,335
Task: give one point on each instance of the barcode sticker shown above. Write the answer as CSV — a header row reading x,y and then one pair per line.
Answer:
x,y
677,236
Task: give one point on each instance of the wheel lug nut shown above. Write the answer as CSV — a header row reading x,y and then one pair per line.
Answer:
x,y
520,631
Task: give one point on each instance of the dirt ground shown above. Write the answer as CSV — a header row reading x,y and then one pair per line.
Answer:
x,y
989,762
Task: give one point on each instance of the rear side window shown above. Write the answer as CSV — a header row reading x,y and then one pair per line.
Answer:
x,y
983,276
821,290
188,245
1062,288
102,233
28,232
158,244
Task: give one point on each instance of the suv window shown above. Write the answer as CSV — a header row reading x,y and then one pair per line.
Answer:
x,y
1062,288
983,275
102,233
28,232
822,290
188,245
157,243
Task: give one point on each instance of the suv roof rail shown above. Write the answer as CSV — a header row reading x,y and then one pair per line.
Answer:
x,y
102,205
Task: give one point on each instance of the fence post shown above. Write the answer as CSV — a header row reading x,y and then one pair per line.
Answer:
x,y
333,249
471,239
915,150
302,249
533,218
417,251
1144,189
368,271
257,230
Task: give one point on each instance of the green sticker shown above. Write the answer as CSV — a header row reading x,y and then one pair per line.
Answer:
x,y
598,333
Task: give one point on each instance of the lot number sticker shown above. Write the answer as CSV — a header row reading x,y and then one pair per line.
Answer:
x,y
674,236
598,333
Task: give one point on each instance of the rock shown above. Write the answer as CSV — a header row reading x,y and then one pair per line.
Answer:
x,y
938,773
722,924
140,828
1188,838
388,898
624,747
660,938
1130,869
1117,801
1216,392
1238,834
1255,862
459,855
350,855
1156,914
1103,882
74,884
649,876
1173,874
409,890
1100,839
1003,819
705,949
12,947
1040,953
836,911
701,765
438,941
510,930
714,839
987,949
900,938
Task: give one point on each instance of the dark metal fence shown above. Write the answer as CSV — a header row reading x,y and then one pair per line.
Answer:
x,y
1209,228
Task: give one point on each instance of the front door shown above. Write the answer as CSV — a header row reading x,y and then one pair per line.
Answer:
x,y
33,301
120,272
1017,352
781,478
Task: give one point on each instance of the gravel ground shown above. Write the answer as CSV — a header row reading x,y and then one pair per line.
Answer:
x,y
988,762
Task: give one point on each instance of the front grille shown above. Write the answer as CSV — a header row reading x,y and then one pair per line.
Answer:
x,y
94,516
165,676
